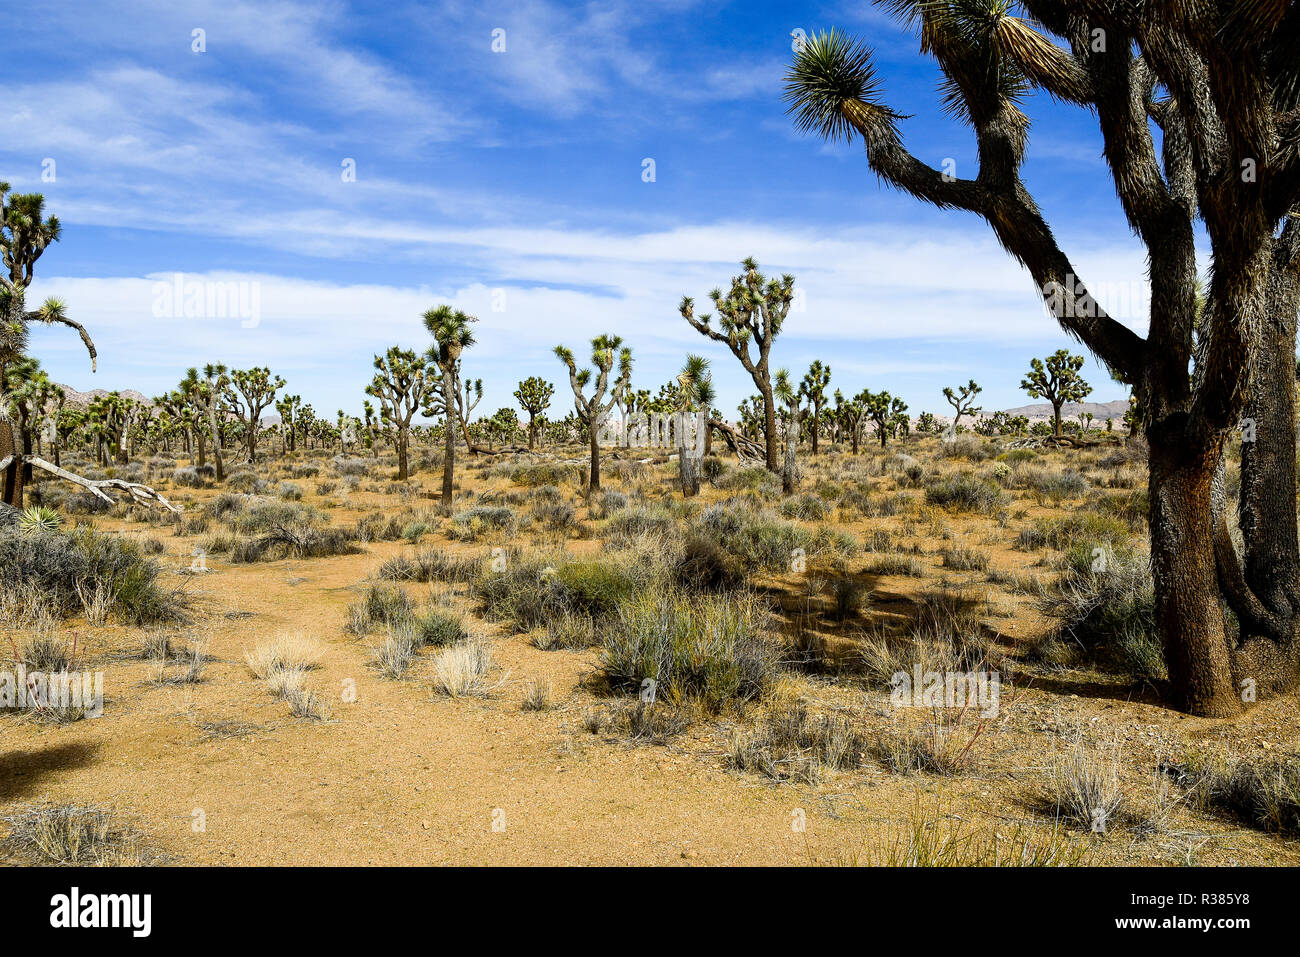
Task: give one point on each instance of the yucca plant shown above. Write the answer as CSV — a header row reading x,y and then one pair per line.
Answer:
x,y
39,518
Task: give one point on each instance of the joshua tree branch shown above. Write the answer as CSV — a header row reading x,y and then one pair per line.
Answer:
x,y
64,320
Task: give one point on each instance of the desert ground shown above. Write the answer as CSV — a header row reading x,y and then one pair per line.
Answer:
x,y
459,686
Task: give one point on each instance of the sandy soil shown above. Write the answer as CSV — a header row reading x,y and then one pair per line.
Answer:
x,y
400,776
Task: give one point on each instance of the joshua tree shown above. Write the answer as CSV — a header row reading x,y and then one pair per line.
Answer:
x,y
401,384
963,401
812,390
252,393
786,392
452,334
852,413
696,393
752,416
1058,381
592,409
210,394
25,233
534,397
1221,82
288,406
115,414
371,425
503,425
753,311
885,411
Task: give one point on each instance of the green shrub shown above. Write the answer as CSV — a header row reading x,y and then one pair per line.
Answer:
x,y
1106,601
756,539
529,592
707,648
439,627
965,493
380,606
56,563
806,507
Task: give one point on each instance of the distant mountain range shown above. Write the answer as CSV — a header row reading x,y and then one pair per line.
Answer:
x,y
83,399
1101,411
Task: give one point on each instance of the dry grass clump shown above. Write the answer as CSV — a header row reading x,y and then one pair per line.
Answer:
x,y
282,663
646,722
1262,793
462,671
962,559
537,695
943,745
430,565
288,685
932,839
284,652
1085,788
395,652
75,834
183,665
793,744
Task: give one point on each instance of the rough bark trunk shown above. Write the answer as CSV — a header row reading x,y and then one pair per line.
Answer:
x,y
789,471
449,434
1267,504
1188,615
688,465
593,482
13,474
769,427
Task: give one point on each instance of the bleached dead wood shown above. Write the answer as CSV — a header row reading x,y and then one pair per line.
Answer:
x,y
140,494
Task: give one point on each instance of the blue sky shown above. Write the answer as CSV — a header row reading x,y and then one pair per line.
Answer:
x,y
511,185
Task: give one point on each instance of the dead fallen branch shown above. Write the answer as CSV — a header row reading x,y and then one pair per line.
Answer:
x,y
140,494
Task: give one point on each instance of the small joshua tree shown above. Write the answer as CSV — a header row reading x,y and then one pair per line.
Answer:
x,y
211,393
885,411
452,334
853,413
252,394
534,397
593,408
753,311
1058,381
288,407
812,390
963,401
401,384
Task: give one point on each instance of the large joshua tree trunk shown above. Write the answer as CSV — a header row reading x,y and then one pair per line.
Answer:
x,y
1267,506
1188,614
403,444
13,473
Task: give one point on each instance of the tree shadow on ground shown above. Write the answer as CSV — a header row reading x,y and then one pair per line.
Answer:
x,y
21,772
